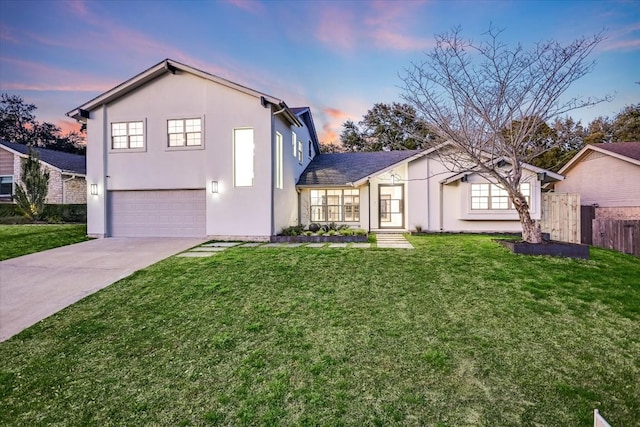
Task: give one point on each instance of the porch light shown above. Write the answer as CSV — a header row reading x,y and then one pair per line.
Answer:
x,y
94,189
214,187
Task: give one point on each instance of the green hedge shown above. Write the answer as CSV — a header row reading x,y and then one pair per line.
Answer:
x,y
9,214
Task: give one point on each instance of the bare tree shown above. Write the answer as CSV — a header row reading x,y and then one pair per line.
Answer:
x,y
489,99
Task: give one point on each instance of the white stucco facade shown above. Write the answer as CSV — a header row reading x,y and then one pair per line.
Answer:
x,y
256,211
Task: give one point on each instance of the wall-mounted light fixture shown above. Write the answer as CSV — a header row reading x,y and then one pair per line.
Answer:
x,y
214,187
94,189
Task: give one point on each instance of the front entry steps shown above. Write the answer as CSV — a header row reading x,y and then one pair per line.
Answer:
x,y
393,241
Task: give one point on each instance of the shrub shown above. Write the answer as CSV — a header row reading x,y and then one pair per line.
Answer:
x,y
418,228
32,192
332,232
346,231
321,232
360,232
293,230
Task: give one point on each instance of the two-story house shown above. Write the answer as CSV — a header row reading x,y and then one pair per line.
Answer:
x,y
175,151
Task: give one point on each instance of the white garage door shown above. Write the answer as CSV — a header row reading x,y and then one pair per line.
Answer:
x,y
162,213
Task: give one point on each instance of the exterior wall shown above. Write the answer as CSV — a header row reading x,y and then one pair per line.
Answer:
x,y
55,193
285,201
74,190
603,180
6,162
439,207
234,210
619,212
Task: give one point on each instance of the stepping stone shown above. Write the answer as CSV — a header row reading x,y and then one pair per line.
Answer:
x,y
207,249
196,254
273,245
338,245
315,245
361,245
222,244
250,245
291,245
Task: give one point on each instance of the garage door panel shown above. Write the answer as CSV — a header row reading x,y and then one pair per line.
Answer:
x,y
161,213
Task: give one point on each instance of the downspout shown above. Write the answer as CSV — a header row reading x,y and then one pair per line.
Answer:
x,y
271,169
428,195
441,205
369,197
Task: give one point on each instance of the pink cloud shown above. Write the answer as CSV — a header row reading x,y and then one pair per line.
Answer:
x,y
47,78
336,28
384,24
623,38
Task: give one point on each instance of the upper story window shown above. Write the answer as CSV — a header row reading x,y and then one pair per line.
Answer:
x,y
126,135
294,138
185,132
310,149
300,152
492,196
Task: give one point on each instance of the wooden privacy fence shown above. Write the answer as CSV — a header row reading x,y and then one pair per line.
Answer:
x,y
617,234
561,216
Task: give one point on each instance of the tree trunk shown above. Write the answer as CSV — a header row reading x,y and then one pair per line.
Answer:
x,y
531,233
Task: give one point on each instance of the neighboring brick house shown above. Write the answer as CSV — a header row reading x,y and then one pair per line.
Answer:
x,y
606,176
67,173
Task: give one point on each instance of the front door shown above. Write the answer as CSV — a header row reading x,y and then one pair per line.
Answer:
x,y
391,205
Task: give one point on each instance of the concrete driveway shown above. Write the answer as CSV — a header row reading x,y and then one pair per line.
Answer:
x,y
33,287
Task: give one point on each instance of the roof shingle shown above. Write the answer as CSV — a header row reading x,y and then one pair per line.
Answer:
x,y
67,162
345,168
628,149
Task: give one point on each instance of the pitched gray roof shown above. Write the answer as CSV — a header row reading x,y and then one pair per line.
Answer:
x,y
67,162
344,168
628,149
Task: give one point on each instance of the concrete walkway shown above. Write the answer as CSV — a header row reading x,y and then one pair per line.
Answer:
x,y
33,287
394,241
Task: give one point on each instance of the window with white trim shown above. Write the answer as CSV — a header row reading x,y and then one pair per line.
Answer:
x,y
127,135
6,186
336,205
294,140
243,157
487,196
184,132
300,152
279,161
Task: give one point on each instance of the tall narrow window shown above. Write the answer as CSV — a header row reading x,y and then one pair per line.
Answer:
x,y
294,139
279,160
310,149
127,135
184,132
300,152
243,157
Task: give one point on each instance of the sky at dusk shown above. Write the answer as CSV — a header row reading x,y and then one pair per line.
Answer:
x,y
338,57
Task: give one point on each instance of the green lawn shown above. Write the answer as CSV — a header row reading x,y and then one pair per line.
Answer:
x,y
18,240
458,332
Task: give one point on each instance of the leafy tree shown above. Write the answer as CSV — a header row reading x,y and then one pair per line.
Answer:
x,y
387,127
568,138
599,130
331,147
18,124
488,101
626,125
32,192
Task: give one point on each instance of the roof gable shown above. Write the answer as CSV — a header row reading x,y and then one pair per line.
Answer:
x,y
627,151
342,169
166,66
65,162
